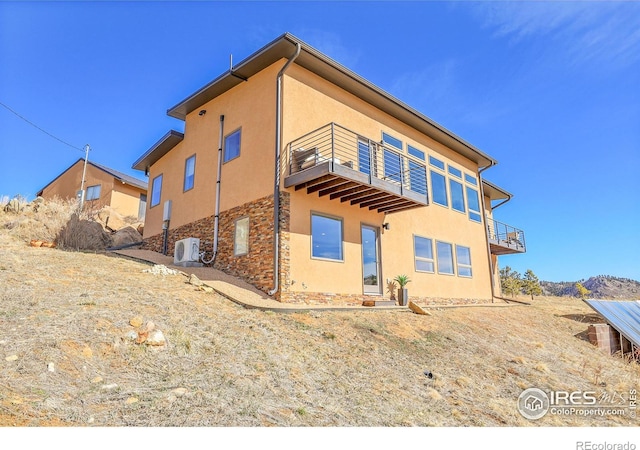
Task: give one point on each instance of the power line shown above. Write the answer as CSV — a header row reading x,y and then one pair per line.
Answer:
x,y
44,131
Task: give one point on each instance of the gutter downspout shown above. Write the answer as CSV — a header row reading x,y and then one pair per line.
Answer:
x,y
493,208
486,229
276,187
216,217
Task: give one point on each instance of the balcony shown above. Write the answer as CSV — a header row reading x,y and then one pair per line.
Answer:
x,y
344,165
505,239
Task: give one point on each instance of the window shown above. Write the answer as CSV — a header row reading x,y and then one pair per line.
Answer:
x,y
93,193
436,163
392,166
142,207
457,196
326,237
364,157
189,172
470,179
445,258
156,189
474,204
394,142
417,178
439,188
423,251
455,172
231,146
241,237
415,152
463,260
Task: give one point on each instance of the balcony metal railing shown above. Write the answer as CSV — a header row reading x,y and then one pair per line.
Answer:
x,y
341,146
506,236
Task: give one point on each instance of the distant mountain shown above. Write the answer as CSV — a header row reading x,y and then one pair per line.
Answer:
x,y
602,286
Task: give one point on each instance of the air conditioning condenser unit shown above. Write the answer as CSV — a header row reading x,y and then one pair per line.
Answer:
x,y
187,253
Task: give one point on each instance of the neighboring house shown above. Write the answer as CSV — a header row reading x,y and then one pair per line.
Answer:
x,y
103,187
368,188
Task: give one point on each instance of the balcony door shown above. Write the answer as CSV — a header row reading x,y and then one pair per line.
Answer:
x,y
371,260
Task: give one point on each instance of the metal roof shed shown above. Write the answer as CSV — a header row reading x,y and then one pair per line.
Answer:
x,y
623,316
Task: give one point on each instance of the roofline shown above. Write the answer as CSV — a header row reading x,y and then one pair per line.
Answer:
x,y
97,166
314,60
504,194
160,148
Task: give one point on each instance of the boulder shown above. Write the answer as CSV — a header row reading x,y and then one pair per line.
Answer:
x,y
125,236
418,310
156,338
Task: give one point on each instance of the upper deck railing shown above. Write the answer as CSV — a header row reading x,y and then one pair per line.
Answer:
x,y
505,238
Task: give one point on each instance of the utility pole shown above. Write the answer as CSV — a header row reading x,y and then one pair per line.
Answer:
x,y
84,172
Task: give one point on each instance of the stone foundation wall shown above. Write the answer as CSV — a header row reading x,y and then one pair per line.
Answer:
x,y
256,267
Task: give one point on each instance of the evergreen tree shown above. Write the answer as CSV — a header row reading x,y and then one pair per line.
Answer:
x,y
531,284
510,281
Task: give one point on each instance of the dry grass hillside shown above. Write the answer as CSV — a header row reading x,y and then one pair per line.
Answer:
x,y
66,358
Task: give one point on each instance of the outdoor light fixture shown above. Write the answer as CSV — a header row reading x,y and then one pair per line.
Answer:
x,y
386,226
202,112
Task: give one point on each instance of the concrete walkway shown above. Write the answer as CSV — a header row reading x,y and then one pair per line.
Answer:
x,y
239,291
248,296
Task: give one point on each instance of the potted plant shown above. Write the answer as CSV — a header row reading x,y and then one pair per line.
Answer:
x,y
403,292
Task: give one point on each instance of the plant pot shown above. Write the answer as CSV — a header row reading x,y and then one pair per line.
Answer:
x,y
403,296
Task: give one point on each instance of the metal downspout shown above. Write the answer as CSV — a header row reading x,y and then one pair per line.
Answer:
x,y
276,188
216,217
486,229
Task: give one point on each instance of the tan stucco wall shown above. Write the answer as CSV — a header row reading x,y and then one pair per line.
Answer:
x,y
125,199
249,106
311,102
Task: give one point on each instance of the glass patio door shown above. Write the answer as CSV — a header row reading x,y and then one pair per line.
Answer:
x,y
371,260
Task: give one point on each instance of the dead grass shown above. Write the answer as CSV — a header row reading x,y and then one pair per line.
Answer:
x,y
228,366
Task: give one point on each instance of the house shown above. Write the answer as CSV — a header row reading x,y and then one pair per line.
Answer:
x,y
103,187
363,187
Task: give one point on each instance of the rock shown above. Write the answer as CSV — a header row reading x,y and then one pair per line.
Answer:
x,y
142,337
125,236
110,219
140,229
51,367
150,326
156,338
418,310
131,335
109,387
136,321
206,289
194,280
11,358
160,269
35,243
179,392
131,400
96,380
80,234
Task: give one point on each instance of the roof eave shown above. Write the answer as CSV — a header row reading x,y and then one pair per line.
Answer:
x,y
158,150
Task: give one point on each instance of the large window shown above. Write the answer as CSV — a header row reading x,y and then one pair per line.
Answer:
x,y
463,260
457,196
445,257
417,178
364,157
423,251
439,188
241,237
231,146
93,192
156,190
474,204
189,172
326,237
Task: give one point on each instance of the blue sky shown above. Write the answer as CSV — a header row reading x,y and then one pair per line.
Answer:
x,y
549,89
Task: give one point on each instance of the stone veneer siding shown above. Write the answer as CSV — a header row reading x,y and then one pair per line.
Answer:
x,y
256,267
